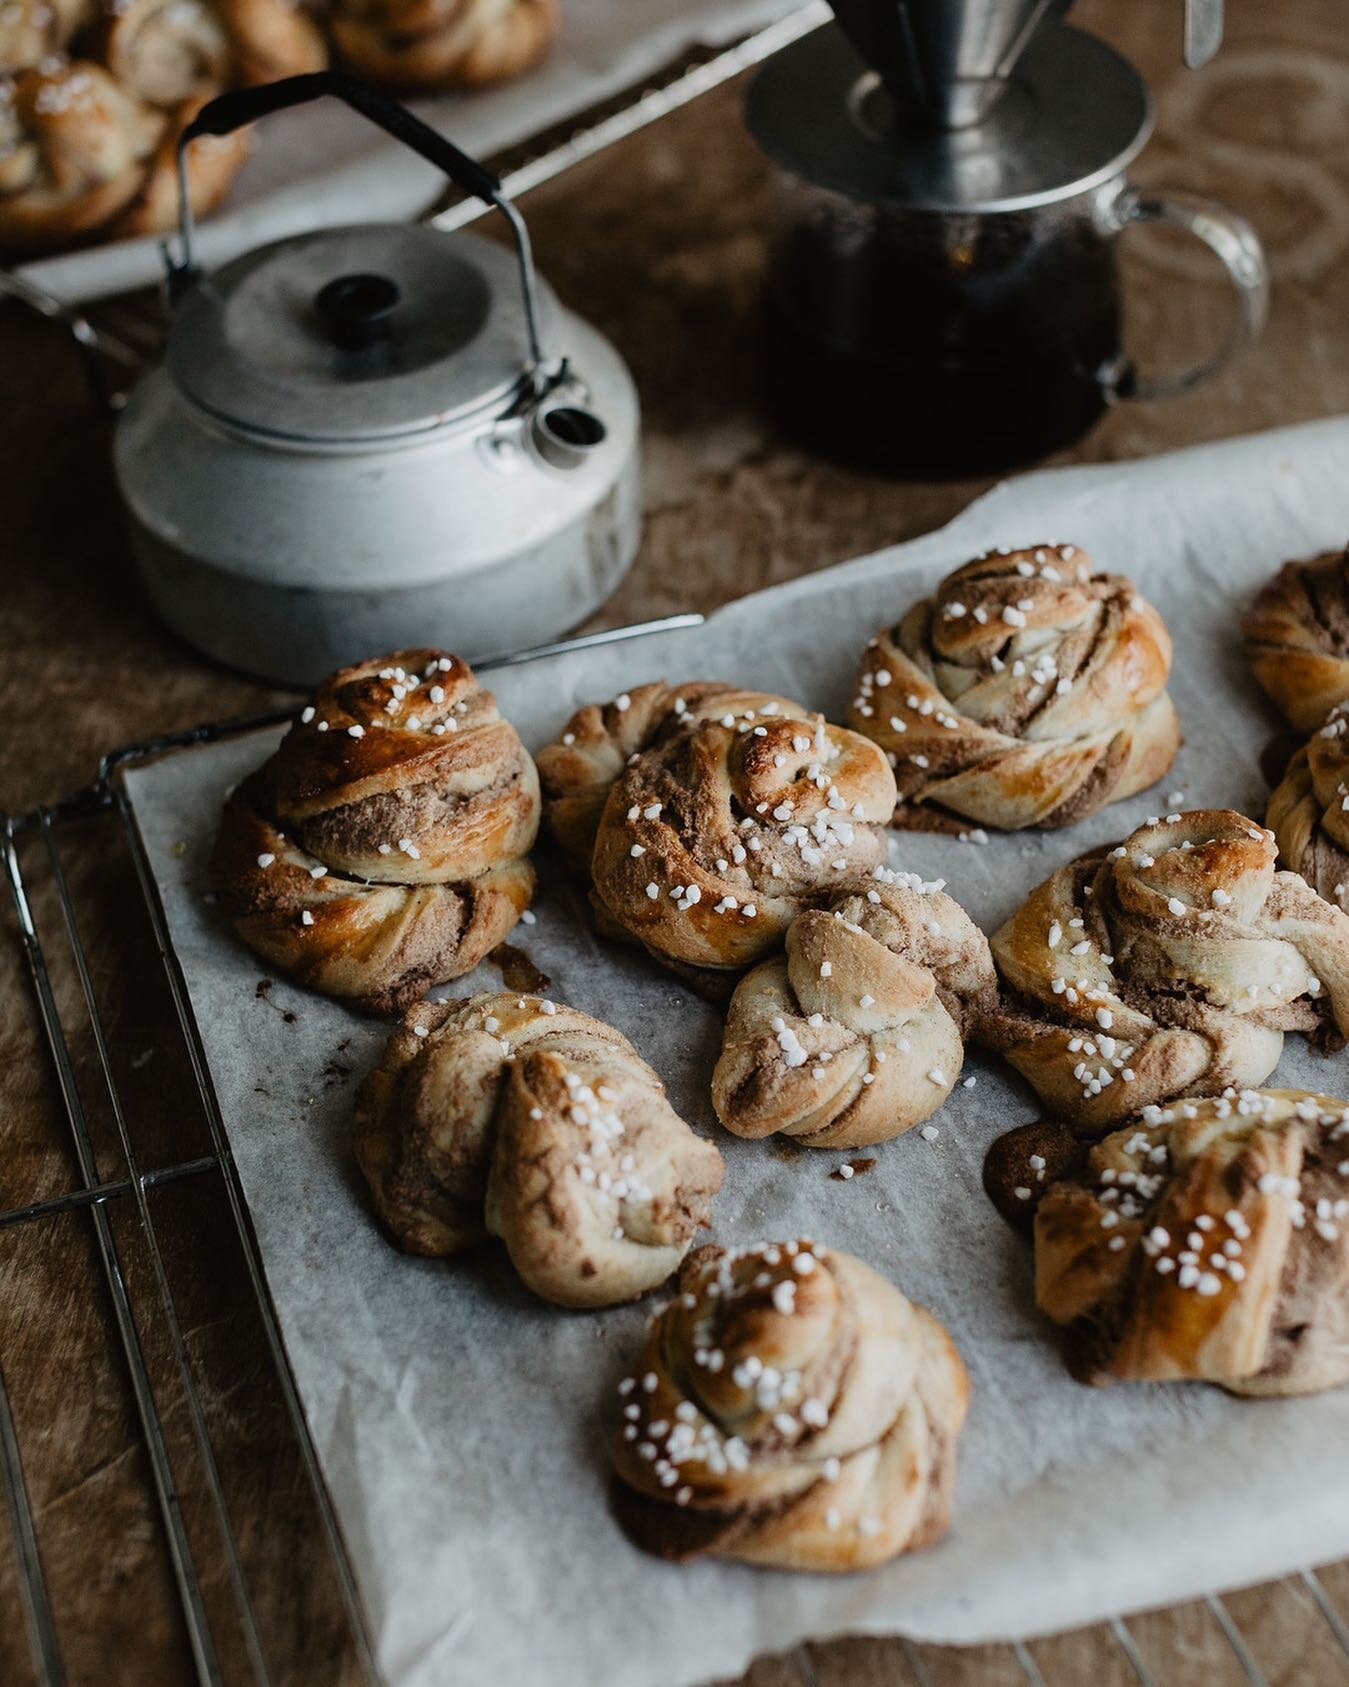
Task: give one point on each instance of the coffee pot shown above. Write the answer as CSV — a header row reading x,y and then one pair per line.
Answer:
x,y
943,291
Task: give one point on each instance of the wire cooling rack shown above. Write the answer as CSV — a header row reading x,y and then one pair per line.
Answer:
x,y
86,1064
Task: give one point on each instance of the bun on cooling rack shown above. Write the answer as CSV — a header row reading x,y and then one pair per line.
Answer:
x,y
509,1116
423,44
32,31
82,155
87,141
383,848
1027,691
1297,637
708,817
1307,811
1207,1240
1171,965
789,1408
855,1034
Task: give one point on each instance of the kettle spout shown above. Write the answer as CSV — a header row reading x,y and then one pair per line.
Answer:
x,y
566,435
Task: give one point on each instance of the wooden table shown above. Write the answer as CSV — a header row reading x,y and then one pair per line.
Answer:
x,y
661,243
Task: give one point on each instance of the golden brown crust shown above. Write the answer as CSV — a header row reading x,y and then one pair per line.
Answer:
x,y
75,150
383,848
32,31
87,146
1307,811
716,815
415,44
789,1408
271,39
1206,1240
509,1116
1171,965
1027,691
166,52
856,1034
1297,637
83,154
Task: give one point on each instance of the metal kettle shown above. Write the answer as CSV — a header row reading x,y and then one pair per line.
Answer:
x,y
375,436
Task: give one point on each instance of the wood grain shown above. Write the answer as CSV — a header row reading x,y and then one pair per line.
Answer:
x,y
661,243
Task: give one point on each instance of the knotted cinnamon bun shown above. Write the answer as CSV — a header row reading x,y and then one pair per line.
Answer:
x,y
510,1116
1171,965
82,154
383,848
434,43
1309,810
1028,691
708,816
1297,637
1207,1239
33,31
855,1035
790,1408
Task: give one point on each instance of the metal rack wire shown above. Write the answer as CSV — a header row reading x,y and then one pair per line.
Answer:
x,y
42,828
33,846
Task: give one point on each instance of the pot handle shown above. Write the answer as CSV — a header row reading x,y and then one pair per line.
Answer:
x,y
1238,246
230,111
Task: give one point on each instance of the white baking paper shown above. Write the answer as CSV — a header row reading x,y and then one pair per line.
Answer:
x,y
324,165
463,1427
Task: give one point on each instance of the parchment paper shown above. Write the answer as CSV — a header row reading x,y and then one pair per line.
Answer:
x,y
463,1427
324,165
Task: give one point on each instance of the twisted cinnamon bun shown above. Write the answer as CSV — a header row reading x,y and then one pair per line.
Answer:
x,y
1297,637
789,1408
75,148
383,848
1209,1240
82,154
709,816
413,44
33,31
855,1035
1028,691
511,1116
1171,965
1308,810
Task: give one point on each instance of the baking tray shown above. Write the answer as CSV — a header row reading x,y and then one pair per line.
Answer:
x,y
1275,454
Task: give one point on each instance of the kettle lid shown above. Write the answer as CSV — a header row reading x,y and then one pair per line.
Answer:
x,y
358,334
1074,114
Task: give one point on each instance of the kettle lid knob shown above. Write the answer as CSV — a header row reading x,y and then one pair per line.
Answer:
x,y
357,310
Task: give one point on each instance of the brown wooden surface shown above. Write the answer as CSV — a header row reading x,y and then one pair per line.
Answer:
x,y
660,242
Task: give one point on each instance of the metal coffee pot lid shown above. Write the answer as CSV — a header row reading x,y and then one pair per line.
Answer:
x,y
1073,114
356,334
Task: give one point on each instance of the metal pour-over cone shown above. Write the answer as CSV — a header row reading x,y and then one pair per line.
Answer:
x,y
945,61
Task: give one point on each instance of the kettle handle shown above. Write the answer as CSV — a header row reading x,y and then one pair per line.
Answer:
x,y
230,111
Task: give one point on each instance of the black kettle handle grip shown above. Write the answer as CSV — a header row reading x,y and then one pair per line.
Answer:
x,y
230,111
